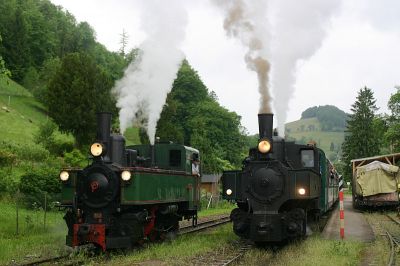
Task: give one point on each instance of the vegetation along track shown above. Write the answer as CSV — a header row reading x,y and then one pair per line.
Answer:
x,y
393,240
66,259
227,256
52,260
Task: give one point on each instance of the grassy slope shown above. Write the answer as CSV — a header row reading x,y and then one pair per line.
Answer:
x,y
323,139
24,116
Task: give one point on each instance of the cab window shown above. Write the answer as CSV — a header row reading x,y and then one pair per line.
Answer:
x,y
307,158
175,158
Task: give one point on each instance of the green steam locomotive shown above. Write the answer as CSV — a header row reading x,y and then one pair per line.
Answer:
x,y
129,194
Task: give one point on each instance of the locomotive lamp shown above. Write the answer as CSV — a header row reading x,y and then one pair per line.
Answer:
x,y
301,191
64,175
96,149
228,192
126,175
264,146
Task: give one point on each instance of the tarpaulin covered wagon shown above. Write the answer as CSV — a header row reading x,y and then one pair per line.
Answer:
x,y
376,181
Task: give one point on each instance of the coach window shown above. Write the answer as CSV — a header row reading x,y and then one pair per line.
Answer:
x,y
175,158
307,158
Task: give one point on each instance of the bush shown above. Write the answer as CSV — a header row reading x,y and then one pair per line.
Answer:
x,y
7,158
34,153
75,158
8,183
46,137
39,181
60,147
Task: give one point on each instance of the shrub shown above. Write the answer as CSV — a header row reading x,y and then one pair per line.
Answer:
x,y
34,153
75,158
59,147
7,158
39,181
46,137
45,134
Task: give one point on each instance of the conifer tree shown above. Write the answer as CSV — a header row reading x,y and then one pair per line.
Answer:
x,y
361,139
78,90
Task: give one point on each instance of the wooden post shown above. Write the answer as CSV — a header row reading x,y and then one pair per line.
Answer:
x,y
17,210
9,100
45,210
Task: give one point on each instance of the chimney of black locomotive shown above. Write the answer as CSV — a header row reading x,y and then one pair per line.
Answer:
x,y
265,126
104,130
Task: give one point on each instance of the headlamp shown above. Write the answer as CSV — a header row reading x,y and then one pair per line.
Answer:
x,y
264,146
64,175
228,191
96,149
126,175
301,191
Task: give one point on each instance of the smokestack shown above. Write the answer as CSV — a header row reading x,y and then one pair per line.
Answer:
x,y
104,127
265,125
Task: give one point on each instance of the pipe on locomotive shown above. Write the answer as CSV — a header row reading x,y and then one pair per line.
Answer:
x,y
103,129
265,125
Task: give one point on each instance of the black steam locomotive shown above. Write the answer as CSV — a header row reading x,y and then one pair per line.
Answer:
x,y
280,185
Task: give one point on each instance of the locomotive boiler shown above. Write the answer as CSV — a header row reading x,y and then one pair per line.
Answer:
x,y
127,195
280,185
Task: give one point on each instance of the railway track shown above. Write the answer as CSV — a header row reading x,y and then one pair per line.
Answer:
x,y
225,257
182,231
394,241
204,225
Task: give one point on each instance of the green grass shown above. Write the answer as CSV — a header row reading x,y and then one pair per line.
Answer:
x,y
182,248
24,116
33,240
9,87
222,208
313,251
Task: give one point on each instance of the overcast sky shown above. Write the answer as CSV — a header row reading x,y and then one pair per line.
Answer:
x,y
360,48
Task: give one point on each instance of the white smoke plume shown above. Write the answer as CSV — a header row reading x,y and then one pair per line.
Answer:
x,y
141,93
298,29
246,20
280,32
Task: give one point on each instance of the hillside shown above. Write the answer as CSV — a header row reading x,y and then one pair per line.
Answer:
x,y
21,115
304,130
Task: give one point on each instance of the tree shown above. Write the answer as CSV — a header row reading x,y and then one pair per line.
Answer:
x,y
192,116
123,42
3,70
78,90
17,48
361,139
392,134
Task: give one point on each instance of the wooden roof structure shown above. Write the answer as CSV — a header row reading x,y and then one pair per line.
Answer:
x,y
389,159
